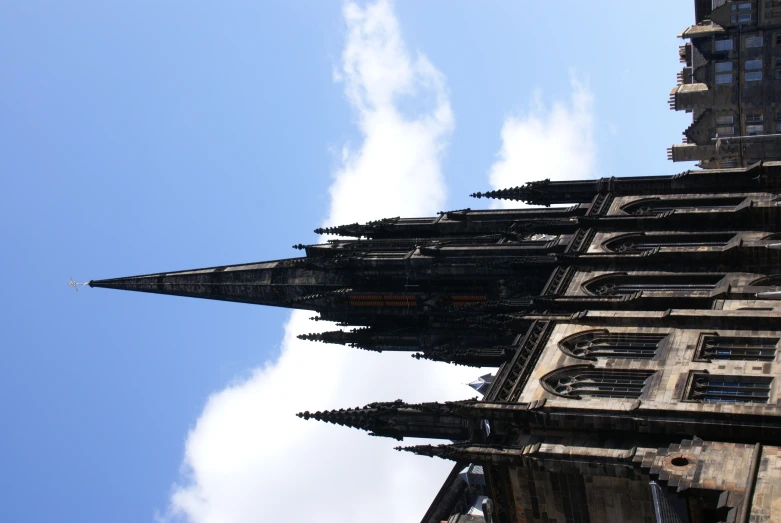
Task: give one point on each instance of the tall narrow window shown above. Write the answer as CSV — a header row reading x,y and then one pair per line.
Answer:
x,y
585,381
719,388
753,41
642,242
647,206
725,125
754,123
741,18
628,283
753,76
594,344
746,348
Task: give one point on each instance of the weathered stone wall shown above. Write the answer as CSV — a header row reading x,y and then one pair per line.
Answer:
x,y
766,502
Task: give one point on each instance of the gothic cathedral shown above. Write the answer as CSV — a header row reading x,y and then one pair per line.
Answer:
x,y
635,326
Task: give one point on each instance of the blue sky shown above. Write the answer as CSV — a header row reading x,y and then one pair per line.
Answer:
x,y
169,135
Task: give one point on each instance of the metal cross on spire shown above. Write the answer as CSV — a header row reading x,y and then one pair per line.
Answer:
x,y
74,284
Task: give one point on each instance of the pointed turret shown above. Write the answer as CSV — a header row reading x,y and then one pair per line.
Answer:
x,y
279,283
471,453
432,451
357,230
471,357
534,193
369,338
759,177
399,420
352,338
337,337
354,230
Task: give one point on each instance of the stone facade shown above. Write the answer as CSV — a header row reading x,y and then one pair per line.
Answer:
x,y
730,84
636,334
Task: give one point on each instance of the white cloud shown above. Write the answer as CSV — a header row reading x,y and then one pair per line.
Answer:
x,y
556,143
248,458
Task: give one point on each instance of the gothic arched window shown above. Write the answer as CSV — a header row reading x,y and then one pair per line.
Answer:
x,y
628,283
585,381
651,206
719,388
594,344
774,280
750,348
641,242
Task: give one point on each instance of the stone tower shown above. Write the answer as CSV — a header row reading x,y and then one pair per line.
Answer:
x,y
730,84
634,321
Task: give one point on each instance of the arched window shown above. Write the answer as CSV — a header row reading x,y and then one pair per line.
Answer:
x,y
641,242
651,206
774,280
594,344
719,388
628,283
585,381
749,348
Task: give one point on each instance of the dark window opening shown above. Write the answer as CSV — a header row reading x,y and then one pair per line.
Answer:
x,y
714,347
658,205
627,284
774,280
714,388
581,381
643,242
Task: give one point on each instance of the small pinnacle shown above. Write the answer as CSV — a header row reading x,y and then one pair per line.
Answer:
x,y
476,195
319,230
304,415
299,246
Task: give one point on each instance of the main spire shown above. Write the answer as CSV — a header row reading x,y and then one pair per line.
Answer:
x,y
277,283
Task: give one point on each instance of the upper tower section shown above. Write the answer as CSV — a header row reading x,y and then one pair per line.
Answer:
x,y
278,283
730,83
465,286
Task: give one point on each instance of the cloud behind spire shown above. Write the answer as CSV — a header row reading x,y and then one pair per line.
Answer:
x,y
249,458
